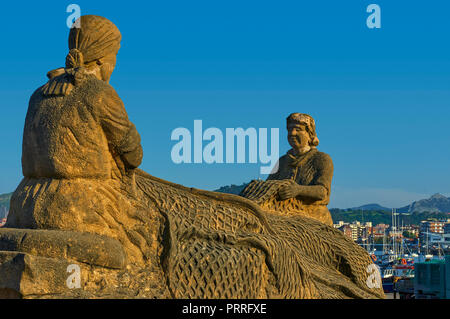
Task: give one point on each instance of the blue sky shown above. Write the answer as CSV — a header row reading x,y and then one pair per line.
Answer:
x,y
381,98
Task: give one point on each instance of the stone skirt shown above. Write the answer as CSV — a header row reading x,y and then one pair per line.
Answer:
x,y
103,207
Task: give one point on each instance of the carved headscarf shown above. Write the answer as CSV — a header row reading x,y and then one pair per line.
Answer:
x,y
95,38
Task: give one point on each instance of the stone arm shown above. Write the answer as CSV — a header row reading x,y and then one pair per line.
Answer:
x,y
313,192
122,135
319,188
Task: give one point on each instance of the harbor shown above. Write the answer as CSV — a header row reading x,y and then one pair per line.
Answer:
x,y
412,268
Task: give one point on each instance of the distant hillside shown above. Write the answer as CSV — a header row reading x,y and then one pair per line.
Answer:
x,y
371,207
232,189
4,200
349,216
436,207
4,204
437,204
384,217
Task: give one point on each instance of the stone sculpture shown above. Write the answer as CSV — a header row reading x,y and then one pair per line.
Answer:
x,y
84,206
301,184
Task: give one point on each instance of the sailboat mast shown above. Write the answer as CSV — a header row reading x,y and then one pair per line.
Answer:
x,y
394,234
392,222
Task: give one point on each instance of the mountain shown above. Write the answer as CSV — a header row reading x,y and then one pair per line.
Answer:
x,y
436,207
232,189
371,207
4,204
435,204
383,217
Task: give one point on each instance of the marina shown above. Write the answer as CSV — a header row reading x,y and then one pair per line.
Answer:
x,y
411,269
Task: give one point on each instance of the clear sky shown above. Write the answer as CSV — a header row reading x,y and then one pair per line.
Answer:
x,y
380,97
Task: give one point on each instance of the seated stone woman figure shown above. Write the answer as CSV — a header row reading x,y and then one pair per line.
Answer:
x,y
81,183
301,184
79,146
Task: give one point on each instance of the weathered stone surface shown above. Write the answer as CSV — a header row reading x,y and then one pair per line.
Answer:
x,y
83,247
84,201
26,275
34,277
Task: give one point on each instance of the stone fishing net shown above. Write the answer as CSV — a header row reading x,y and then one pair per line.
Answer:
x,y
264,193
225,246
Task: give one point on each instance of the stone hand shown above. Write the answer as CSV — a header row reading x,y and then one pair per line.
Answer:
x,y
288,191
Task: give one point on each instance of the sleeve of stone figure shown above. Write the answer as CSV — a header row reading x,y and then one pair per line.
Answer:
x,y
324,172
120,132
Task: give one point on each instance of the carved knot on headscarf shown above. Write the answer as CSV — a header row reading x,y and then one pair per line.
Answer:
x,y
75,66
96,38
74,59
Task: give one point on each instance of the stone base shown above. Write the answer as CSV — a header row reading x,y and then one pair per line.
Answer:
x,y
82,247
45,263
24,275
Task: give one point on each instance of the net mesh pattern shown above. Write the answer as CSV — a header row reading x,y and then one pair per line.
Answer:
x,y
265,193
219,246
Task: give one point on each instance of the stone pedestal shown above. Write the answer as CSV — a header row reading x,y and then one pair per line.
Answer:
x,y
51,263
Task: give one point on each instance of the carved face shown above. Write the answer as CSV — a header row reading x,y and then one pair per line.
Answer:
x,y
298,136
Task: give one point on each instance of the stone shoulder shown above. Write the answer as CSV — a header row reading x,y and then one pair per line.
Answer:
x,y
322,160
